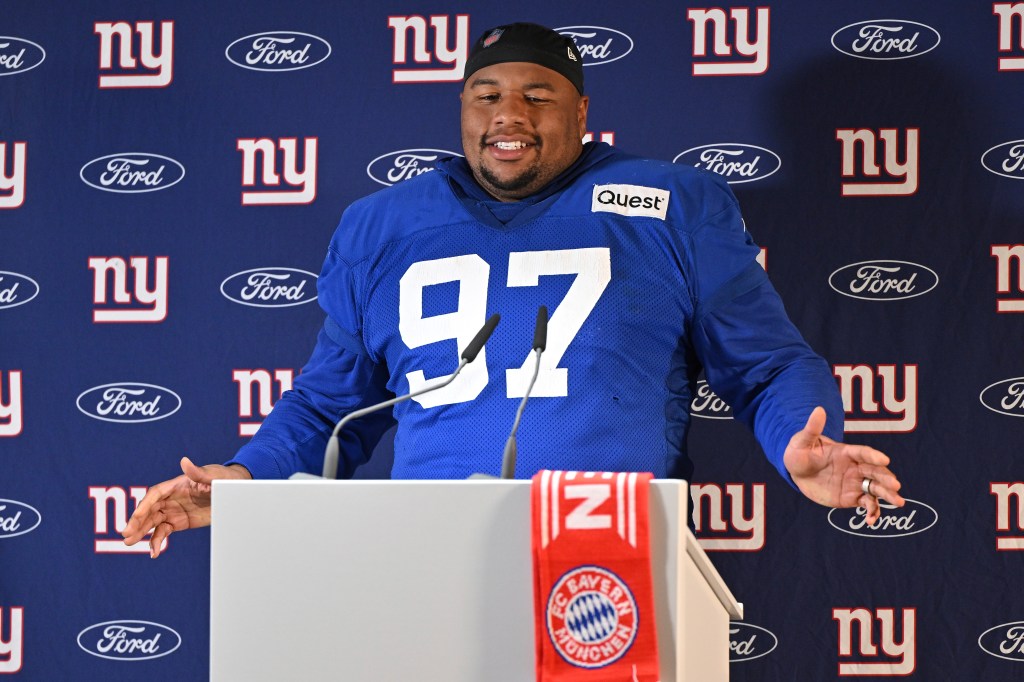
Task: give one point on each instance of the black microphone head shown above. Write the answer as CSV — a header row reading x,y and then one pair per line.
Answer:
x,y
469,355
540,332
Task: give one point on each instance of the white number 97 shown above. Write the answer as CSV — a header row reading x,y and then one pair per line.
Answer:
x,y
592,268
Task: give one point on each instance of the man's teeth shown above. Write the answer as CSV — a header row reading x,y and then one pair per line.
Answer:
x,y
511,145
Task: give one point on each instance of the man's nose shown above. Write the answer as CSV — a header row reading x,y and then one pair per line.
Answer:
x,y
510,110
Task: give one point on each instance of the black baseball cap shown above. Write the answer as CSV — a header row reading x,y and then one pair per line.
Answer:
x,y
526,42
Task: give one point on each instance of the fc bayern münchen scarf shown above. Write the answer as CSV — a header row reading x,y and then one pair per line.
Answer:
x,y
593,595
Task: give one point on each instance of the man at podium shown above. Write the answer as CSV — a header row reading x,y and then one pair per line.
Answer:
x,y
647,268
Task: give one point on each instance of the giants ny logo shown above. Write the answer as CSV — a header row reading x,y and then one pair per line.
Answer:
x,y
866,415
12,647
734,530
1007,12
901,178
1010,289
12,178
301,183
108,539
146,305
454,57
10,411
156,69
744,57
896,658
1013,538
260,381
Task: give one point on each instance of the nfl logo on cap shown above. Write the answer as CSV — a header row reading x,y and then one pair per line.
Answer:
x,y
493,38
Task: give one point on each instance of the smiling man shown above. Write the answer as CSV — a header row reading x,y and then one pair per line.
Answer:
x,y
522,120
649,272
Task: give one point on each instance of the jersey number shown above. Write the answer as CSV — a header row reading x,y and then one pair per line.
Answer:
x,y
593,271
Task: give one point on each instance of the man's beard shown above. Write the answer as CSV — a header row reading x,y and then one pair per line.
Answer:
x,y
515,184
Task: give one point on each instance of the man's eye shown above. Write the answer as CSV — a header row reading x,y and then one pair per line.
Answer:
x,y
489,98
535,99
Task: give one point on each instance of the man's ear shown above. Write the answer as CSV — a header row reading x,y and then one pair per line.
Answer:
x,y
581,113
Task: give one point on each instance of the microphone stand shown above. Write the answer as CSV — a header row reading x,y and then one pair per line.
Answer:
x,y
331,452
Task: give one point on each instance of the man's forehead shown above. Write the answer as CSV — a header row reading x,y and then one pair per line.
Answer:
x,y
519,74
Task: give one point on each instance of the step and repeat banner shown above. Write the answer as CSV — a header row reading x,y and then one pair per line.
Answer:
x,y
171,173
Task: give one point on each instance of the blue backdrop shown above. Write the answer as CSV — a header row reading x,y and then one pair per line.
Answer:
x,y
170,175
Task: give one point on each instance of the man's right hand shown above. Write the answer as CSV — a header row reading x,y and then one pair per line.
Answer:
x,y
178,504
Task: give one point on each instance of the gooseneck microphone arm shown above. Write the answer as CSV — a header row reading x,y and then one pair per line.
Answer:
x,y
540,339
331,453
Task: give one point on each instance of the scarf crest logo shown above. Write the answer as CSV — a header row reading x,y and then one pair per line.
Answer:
x,y
591,617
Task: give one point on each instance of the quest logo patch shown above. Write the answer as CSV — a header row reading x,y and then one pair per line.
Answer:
x,y
631,200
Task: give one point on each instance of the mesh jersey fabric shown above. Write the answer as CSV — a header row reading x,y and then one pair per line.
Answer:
x,y
639,304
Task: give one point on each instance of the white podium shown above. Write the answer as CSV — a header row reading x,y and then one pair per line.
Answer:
x,y
421,580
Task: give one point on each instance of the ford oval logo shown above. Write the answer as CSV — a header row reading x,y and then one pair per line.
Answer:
x,y
270,287
747,642
1004,641
128,402
132,172
16,289
597,44
17,518
886,39
1006,159
737,163
18,55
387,169
707,404
128,640
1005,397
914,517
278,51
883,280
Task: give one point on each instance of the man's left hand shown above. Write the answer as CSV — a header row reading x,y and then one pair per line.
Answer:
x,y
832,473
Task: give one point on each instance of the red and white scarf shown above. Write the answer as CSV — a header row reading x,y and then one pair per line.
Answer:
x,y
593,593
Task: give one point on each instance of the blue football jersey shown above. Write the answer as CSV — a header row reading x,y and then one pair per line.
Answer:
x,y
649,277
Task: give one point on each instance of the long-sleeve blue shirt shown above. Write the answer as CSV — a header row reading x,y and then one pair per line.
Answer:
x,y
649,277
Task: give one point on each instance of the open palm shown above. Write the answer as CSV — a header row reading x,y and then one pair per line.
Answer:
x,y
832,473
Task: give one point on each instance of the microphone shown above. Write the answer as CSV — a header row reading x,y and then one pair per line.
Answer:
x,y
468,355
540,339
